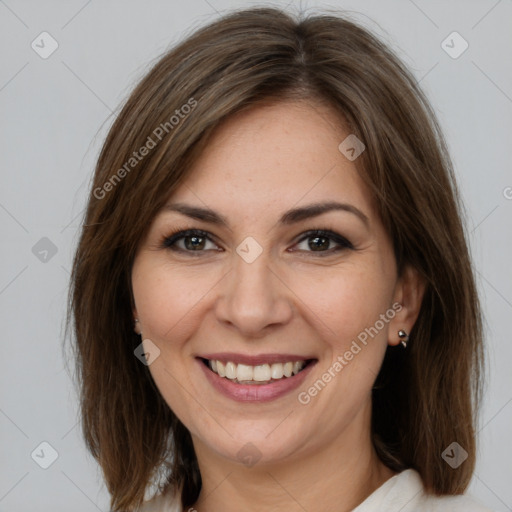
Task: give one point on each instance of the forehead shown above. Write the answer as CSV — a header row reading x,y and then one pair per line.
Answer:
x,y
272,157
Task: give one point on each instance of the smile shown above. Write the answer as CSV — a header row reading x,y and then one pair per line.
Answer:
x,y
267,378
259,374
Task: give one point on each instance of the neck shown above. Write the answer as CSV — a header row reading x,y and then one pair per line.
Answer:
x,y
337,476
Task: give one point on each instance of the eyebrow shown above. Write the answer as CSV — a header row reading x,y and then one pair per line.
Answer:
x,y
290,217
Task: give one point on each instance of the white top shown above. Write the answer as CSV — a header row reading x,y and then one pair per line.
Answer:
x,y
401,493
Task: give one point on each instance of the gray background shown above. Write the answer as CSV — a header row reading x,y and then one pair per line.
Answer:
x,y
55,113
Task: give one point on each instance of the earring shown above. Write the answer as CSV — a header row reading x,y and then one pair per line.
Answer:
x,y
404,337
136,327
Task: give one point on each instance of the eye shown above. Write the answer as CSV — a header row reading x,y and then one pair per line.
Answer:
x,y
194,240
320,241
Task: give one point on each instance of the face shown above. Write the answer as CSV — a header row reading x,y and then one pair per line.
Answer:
x,y
266,287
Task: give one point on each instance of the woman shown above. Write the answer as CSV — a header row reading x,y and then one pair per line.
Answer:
x,y
272,297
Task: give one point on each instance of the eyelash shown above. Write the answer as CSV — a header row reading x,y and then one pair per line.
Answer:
x,y
170,240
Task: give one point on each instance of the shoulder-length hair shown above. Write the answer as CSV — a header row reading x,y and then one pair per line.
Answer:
x,y
425,397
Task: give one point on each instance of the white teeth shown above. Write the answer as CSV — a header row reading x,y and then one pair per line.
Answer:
x,y
276,371
244,372
258,373
262,372
231,370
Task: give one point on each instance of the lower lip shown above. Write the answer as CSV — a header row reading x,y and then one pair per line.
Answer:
x,y
255,392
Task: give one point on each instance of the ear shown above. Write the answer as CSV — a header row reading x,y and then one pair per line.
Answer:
x,y
409,292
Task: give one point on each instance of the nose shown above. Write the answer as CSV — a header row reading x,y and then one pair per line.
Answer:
x,y
253,298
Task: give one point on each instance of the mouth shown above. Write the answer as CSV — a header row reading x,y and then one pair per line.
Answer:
x,y
255,374
267,378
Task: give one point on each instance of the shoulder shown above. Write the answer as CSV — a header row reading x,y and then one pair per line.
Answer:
x,y
463,503
405,492
457,503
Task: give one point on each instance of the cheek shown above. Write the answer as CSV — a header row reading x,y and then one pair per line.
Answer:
x,y
168,298
348,301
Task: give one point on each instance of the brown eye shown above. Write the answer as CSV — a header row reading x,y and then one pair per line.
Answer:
x,y
194,240
322,241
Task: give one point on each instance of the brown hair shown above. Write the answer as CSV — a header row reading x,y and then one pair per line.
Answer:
x,y
425,397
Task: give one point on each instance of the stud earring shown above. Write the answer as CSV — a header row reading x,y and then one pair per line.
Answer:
x,y
136,327
404,337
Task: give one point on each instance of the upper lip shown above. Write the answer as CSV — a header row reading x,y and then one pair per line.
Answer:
x,y
254,360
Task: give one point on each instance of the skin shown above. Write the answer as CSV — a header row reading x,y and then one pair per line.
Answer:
x,y
259,164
